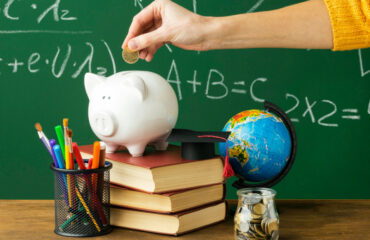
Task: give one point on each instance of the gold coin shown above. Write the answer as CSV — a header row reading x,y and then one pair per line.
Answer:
x,y
272,226
259,230
264,224
275,235
259,209
237,218
256,217
130,56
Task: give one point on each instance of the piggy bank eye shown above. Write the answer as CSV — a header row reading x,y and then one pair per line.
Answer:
x,y
103,97
108,98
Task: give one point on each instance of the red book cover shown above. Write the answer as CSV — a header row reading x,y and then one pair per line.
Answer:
x,y
154,160
151,158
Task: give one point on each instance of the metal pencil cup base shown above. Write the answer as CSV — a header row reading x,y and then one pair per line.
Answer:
x,y
82,199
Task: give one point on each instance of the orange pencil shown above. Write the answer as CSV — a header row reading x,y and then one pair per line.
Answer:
x,y
96,155
101,175
102,155
95,163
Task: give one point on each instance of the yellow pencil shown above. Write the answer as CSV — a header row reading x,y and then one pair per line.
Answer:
x,y
87,209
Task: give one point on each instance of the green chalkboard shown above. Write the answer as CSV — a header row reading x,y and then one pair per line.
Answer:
x,y
47,46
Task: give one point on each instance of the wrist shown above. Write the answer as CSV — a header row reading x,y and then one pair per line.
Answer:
x,y
212,33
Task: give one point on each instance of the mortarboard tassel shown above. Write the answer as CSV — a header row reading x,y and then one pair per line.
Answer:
x,y
228,170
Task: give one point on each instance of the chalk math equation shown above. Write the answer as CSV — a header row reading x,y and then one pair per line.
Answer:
x,y
217,87
72,60
56,11
62,60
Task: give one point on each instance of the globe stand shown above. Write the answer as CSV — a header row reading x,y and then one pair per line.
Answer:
x,y
272,108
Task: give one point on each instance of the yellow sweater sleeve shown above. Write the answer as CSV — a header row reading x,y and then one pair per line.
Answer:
x,y
350,20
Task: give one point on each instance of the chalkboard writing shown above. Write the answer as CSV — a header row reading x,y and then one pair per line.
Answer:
x,y
48,46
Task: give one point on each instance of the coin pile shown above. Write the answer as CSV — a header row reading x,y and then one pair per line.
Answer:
x,y
130,56
256,219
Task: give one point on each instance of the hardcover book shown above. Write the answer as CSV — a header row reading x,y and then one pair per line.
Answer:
x,y
160,171
171,224
171,202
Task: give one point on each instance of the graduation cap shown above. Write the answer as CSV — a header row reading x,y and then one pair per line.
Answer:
x,y
201,145
197,145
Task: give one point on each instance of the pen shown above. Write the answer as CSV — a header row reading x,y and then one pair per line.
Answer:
x,y
95,164
59,158
52,144
78,156
95,201
59,132
96,155
102,155
90,163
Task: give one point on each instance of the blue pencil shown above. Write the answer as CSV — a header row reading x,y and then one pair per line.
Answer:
x,y
59,158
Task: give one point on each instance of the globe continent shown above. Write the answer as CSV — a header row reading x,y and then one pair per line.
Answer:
x,y
259,145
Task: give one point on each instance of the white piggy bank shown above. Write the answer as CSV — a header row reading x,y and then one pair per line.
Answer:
x,y
131,109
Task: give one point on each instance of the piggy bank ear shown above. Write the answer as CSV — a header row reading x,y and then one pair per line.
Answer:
x,y
91,81
137,85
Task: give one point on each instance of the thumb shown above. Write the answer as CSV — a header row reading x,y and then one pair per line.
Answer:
x,y
147,39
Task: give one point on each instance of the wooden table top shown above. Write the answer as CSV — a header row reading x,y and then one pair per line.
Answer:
x,y
299,219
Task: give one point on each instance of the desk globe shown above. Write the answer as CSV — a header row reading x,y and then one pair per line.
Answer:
x,y
262,145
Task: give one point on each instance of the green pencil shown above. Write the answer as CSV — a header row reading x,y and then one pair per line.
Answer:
x,y
69,220
60,136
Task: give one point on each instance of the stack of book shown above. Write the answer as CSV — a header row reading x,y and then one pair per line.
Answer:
x,y
163,193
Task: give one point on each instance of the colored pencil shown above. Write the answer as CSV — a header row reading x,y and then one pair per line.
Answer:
x,y
101,175
89,166
96,155
52,144
60,136
63,181
59,157
95,163
102,155
77,153
87,209
70,181
69,220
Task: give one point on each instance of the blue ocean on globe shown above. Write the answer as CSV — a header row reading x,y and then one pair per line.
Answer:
x,y
259,145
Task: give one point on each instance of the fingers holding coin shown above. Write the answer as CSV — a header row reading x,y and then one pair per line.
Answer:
x,y
130,56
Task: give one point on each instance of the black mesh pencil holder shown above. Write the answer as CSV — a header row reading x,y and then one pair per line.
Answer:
x,y
82,200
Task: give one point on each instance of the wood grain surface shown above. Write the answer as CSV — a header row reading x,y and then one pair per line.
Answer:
x,y
299,219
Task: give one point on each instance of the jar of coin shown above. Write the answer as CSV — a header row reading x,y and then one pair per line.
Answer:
x,y
256,216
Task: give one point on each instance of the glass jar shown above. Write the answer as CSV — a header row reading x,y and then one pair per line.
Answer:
x,y
256,216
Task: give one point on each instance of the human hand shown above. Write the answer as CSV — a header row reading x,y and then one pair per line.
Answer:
x,y
164,22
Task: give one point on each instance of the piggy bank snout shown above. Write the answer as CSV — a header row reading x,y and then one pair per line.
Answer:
x,y
103,123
